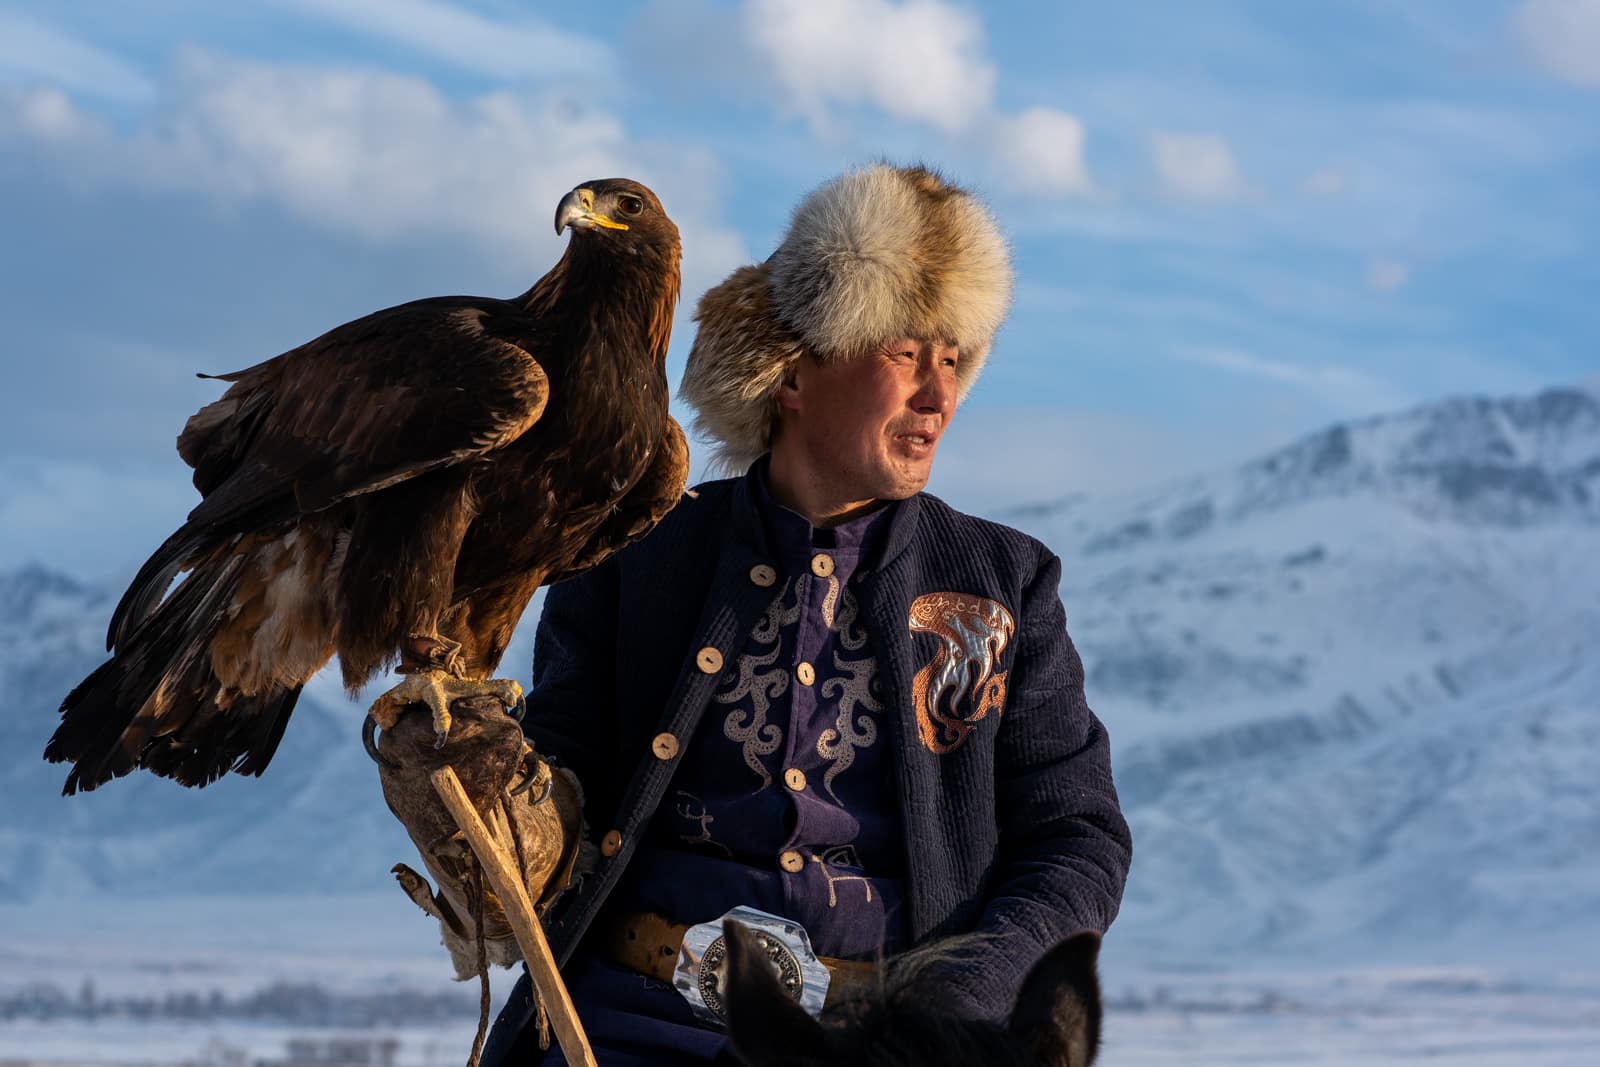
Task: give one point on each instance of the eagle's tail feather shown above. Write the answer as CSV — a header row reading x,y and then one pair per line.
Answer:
x,y
149,586
157,704
243,740
96,754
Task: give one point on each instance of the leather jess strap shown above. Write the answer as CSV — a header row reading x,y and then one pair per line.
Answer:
x,y
649,943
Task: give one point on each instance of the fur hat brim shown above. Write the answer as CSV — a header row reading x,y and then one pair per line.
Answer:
x,y
877,253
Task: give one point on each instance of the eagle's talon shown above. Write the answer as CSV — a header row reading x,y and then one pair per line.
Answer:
x,y
369,741
442,719
438,690
546,783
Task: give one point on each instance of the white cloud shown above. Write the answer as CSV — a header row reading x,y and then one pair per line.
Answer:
x,y
44,112
1387,275
33,51
1327,182
1339,386
381,155
1198,166
1277,370
995,458
522,49
1042,151
91,521
921,60
1563,37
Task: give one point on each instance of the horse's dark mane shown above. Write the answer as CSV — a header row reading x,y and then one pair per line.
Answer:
x,y
917,1034
899,1020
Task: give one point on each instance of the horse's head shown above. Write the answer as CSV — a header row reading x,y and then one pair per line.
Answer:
x,y
1055,1023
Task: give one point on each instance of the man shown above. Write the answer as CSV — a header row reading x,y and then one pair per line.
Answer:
x,y
814,690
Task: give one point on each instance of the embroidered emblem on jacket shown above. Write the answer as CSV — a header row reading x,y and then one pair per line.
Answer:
x,y
972,632
841,856
693,811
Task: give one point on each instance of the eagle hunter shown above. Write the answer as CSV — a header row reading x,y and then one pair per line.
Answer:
x,y
396,490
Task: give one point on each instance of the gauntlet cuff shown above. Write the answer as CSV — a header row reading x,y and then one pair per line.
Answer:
x,y
533,811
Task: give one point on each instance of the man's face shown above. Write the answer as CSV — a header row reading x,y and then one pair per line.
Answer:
x,y
868,426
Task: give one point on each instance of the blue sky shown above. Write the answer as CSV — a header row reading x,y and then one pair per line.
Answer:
x,y
1233,222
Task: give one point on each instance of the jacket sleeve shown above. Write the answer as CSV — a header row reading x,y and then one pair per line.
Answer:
x,y
572,700
1064,845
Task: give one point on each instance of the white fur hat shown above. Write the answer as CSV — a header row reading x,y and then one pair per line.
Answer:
x,y
877,253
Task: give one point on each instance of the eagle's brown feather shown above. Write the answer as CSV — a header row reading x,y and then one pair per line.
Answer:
x,y
422,469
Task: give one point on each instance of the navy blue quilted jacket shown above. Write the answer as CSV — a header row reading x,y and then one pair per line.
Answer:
x,y
1011,821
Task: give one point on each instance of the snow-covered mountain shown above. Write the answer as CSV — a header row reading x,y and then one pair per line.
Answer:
x,y
316,820
1353,686
1352,689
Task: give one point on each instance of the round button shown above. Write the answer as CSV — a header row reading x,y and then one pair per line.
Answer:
x,y
763,575
822,565
806,673
791,861
665,746
611,844
709,660
794,778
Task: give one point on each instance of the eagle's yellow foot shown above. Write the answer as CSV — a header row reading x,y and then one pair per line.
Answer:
x,y
437,688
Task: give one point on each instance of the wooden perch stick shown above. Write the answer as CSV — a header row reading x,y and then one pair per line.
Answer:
x,y
507,885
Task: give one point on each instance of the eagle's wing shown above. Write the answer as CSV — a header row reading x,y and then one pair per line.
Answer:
x,y
371,403
366,405
656,492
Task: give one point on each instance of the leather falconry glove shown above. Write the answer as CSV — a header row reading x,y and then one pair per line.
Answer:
x,y
534,812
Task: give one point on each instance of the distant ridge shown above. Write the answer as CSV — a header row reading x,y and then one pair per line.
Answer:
x,y
1502,461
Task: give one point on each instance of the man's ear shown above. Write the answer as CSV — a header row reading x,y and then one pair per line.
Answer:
x,y
765,1027
1058,1010
789,389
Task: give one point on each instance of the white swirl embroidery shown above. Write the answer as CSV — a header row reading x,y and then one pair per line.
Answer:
x,y
830,599
757,736
856,687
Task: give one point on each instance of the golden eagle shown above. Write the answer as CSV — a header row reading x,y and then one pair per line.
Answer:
x,y
396,489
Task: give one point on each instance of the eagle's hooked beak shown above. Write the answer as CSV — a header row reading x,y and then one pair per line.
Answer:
x,y
577,210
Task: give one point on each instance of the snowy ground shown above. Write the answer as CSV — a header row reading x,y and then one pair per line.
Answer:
x,y
233,947
1464,1017
1371,1020
126,1044
1338,1011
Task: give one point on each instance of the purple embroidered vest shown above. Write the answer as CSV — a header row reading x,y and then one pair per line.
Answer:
x,y
785,798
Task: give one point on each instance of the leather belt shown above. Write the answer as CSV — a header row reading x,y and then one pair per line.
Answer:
x,y
649,943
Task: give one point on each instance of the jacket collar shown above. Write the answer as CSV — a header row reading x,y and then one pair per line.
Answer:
x,y
746,518
748,527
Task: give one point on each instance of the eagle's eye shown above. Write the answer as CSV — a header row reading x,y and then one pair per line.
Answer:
x,y
630,205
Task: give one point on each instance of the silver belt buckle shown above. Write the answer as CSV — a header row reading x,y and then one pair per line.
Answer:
x,y
701,960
